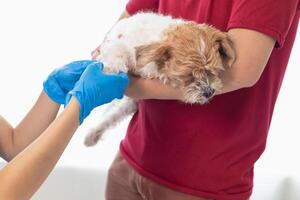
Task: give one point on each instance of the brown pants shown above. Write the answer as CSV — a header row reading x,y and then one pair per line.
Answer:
x,y
123,183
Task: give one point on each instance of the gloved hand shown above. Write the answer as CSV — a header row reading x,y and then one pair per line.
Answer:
x,y
63,79
95,88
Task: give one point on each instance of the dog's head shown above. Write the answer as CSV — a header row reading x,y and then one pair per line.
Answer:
x,y
190,57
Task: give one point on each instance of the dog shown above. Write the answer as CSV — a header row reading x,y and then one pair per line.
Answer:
x,y
180,53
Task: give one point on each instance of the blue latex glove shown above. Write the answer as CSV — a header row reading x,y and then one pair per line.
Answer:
x,y
95,88
63,79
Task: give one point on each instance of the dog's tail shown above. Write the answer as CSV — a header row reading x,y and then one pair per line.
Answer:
x,y
112,117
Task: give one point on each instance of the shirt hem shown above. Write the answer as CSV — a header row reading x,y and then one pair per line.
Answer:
x,y
183,189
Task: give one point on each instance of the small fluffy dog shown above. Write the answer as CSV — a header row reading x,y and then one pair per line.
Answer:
x,y
182,54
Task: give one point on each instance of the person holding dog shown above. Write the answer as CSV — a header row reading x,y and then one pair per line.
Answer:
x,y
33,148
174,151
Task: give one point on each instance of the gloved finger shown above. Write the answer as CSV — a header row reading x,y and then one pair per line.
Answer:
x,y
123,74
77,63
96,66
74,70
76,67
124,77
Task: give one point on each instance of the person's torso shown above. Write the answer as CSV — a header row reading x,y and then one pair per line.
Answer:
x,y
197,146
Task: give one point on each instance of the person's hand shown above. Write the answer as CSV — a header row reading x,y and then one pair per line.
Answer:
x,y
95,88
63,79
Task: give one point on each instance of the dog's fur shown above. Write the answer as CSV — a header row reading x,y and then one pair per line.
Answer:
x,y
183,54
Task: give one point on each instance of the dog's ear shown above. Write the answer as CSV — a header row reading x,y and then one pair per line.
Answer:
x,y
159,53
225,49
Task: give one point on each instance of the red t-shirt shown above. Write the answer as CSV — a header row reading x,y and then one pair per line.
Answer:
x,y
210,150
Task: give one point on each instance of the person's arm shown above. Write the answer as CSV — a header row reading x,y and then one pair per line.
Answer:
x,y
57,84
253,50
20,178
14,140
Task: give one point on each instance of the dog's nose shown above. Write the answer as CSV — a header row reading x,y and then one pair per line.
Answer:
x,y
208,92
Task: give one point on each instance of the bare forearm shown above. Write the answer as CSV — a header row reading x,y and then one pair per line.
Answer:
x,y
37,160
41,115
150,89
154,89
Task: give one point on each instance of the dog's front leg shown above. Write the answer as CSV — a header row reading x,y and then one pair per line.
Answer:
x,y
116,56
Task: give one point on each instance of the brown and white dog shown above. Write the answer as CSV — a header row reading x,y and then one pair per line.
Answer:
x,y
183,54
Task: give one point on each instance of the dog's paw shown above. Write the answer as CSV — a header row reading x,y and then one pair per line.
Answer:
x,y
92,139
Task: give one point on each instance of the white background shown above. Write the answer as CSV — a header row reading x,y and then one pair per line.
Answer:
x,y
37,36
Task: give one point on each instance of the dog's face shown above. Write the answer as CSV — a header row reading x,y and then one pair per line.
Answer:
x,y
190,57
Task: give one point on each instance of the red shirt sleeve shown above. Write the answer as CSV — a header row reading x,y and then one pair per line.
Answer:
x,y
271,17
134,6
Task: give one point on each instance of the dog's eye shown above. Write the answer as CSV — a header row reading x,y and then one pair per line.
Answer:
x,y
222,52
